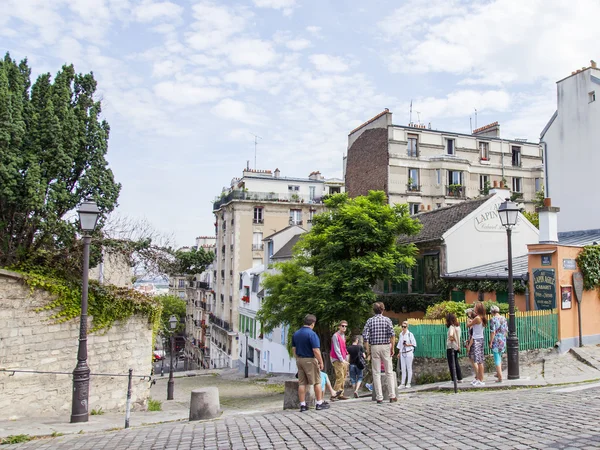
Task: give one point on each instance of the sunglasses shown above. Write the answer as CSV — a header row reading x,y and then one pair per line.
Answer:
x,y
344,326
403,326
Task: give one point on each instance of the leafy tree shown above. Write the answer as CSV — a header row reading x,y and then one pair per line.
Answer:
x,y
190,262
172,306
538,201
53,144
349,249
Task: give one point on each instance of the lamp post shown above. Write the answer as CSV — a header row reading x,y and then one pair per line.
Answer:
x,y
247,333
171,383
88,218
509,214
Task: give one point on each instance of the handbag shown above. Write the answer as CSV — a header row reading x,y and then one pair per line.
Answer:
x,y
360,361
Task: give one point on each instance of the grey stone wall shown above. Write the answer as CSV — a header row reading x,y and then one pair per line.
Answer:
x,y
29,340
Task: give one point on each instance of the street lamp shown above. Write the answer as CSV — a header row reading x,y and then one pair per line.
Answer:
x,y
171,383
88,218
247,333
509,214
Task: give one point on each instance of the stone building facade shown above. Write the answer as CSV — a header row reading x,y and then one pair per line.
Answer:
x,y
30,340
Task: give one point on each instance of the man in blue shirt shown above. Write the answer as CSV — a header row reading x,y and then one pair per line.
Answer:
x,y
307,351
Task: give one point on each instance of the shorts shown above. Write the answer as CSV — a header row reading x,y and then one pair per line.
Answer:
x,y
323,381
497,357
308,371
356,375
477,351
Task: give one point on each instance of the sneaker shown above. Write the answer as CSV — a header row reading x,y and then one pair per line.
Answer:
x,y
481,383
474,381
356,395
323,405
369,386
408,386
459,381
400,386
303,408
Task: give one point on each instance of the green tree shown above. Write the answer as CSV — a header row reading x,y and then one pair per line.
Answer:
x,y
171,306
538,202
190,262
349,249
53,144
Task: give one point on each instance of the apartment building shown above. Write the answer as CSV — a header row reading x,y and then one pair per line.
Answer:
x,y
570,140
429,168
258,204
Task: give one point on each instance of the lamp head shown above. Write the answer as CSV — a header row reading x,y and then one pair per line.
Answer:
x,y
508,213
173,322
247,332
88,215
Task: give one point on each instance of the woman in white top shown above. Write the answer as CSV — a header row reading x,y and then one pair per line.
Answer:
x,y
406,345
478,323
453,346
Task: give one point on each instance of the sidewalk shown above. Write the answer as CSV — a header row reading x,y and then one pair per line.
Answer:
x,y
242,397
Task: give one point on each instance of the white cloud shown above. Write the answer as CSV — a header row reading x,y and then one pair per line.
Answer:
x,y
250,52
214,25
287,6
328,63
253,79
179,93
313,29
298,44
236,110
151,11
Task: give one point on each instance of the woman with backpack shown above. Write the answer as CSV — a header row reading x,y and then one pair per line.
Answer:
x,y
357,364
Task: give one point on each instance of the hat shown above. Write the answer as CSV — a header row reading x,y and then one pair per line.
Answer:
x,y
495,308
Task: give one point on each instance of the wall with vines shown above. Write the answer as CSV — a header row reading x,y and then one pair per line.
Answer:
x,y
588,262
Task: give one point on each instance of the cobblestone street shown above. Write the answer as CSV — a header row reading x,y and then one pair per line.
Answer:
x,y
557,417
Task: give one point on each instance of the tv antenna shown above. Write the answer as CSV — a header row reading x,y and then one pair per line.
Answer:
x,y
475,118
410,114
256,138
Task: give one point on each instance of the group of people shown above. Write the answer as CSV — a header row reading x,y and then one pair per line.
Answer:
x,y
380,346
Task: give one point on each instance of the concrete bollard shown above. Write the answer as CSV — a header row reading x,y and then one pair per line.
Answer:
x,y
205,404
290,395
384,388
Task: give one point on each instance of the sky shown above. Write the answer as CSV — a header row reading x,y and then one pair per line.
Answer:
x,y
186,84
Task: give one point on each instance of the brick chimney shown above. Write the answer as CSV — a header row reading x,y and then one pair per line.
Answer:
x,y
548,222
490,130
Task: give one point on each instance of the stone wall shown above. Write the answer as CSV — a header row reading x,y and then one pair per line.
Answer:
x,y
29,340
367,163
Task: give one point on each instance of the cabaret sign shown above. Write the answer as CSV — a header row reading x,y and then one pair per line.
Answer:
x,y
488,221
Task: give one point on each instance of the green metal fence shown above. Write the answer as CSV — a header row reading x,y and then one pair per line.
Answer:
x,y
535,329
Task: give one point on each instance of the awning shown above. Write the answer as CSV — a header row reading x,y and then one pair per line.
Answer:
x,y
542,252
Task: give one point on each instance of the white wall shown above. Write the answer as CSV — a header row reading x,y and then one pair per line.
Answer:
x,y
280,186
573,155
480,238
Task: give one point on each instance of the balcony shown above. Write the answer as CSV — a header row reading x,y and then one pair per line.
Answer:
x,y
413,188
258,221
264,197
295,221
455,190
257,247
220,323
203,285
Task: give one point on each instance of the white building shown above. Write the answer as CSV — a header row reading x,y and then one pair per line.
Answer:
x,y
572,139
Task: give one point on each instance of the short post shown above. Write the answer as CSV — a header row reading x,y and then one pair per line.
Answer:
x,y
171,382
128,405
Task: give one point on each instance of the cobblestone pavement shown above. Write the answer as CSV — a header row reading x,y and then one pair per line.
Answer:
x,y
556,417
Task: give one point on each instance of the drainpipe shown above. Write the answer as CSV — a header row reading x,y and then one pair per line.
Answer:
x,y
502,156
546,181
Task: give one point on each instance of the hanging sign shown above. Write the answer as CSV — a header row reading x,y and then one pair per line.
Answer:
x,y
578,285
544,288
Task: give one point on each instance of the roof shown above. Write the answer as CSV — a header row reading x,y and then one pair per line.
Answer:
x,y
549,124
437,222
282,230
285,252
579,238
498,269
373,119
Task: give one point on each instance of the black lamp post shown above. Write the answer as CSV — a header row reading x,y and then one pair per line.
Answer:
x,y
247,333
88,218
509,214
171,383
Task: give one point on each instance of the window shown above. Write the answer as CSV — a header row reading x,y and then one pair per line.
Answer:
x,y
538,185
412,144
269,251
591,96
181,284
450,146
257,243
255,282
484,151
502,297
311,193
484,182
295,217
293,188
454,177
517,184
458,296
250,353
413,180
413,208
241,281
455,184
284,332
258,214
438,176
182,295
516,156
311,215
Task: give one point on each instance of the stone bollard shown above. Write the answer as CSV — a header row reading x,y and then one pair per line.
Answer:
x,y
384,388
290,396
205,404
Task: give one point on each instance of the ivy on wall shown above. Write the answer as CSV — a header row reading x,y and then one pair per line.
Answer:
x,y
589,263
446,286
406,303
107,304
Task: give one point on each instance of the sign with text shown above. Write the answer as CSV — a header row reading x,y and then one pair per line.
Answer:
x,y
578,285
569,264
487,220
544,288
546,260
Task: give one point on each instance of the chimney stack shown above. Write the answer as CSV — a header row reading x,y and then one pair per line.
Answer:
x,y
593,64
276,173
548,222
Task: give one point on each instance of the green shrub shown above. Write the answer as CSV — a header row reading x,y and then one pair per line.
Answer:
x,y
440,310
154,405
503,306
15,439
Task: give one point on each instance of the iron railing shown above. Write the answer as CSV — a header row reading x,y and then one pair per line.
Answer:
x,y
264,197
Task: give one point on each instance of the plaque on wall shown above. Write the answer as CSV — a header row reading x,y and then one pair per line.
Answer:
x,y
544,288
569,264
566,297
546,260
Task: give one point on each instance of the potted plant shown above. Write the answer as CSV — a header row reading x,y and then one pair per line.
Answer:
x,y
295,198
454,189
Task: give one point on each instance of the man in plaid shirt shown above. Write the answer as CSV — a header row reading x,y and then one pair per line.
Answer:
x,y
379,342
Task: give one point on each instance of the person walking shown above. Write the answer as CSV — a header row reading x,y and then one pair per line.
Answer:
x,y
379,339
498,332
478,324
339,358
406,345
357,356
453,347
306,347
469,341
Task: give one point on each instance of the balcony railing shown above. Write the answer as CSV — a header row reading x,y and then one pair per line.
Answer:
x,y
455,190
202,285
264,197
220,323
413,188
257,247
295,221
258,221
